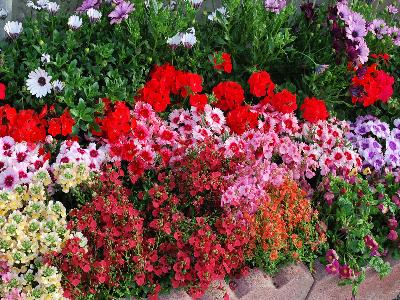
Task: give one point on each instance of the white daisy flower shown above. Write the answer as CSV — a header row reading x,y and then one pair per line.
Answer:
x,y
52,7
74,22
196,3
93,14
13,29
219,11
189,38
38,83
58,86
32,5
45,59
3,13
175,41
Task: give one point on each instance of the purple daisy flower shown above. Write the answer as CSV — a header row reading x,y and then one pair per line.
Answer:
x,y
121,12
88,4
392,9
378,28
274,6
356,31
363,51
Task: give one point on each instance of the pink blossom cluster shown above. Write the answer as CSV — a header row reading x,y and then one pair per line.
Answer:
x,y
19,162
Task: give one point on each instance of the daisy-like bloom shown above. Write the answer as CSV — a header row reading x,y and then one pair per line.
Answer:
x,y
319,69
218,12
362,51
378,28
87,4
3,14
196,3
40,4
189,38
13,29
391,9
58,86
175,41
74,22
52,7
121,12
356,31
274,6
38,83
45,59
93,14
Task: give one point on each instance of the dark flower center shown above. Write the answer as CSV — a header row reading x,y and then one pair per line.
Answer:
x,y
42,81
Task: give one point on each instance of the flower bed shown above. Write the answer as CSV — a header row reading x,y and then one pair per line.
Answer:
x,y
148,147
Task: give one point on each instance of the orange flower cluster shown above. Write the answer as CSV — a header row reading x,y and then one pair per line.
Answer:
x,y
285,223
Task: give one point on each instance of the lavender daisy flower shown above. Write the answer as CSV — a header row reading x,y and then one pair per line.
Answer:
x,y
121,12
362,51
87,4
378,28
274,6
391,9
319,69
356,30
13,29
396,123
3,14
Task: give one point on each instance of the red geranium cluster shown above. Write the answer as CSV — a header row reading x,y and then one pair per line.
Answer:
x,y
29,126
222,61
2,91
370,85
242,119
261,84
166,80
314,110
229,94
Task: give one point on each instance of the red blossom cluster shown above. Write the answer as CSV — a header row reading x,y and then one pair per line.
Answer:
x,y
166,81
29,126
223,62
113,229
314,110
370,85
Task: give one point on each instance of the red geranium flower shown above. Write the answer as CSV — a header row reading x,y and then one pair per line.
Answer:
x,y
199,101
314,110
242,119
222,61
261,84
284,102
229,94
2,91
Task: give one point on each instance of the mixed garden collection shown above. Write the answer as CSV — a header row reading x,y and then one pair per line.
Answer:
x,y
153,145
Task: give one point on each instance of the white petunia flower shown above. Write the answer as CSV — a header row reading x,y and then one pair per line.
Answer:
x,y
45,59
93,14
58,86
13,29
38,83
74,22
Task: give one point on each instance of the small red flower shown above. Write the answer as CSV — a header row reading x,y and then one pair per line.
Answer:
x,y
222,61
261,84
2,91
284,102
314,110
229,94
199,101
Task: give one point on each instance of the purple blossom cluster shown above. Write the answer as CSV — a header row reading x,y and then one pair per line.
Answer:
x,y
349,38
378,145
121,11
275,6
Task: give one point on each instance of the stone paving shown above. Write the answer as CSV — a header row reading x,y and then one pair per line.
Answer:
x,y
296,283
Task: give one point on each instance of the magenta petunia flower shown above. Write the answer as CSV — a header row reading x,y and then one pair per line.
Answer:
x,y
392,235
333,267
345,271
331,255
121,12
